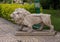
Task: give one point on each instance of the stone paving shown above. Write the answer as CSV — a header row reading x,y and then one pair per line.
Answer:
x,y
8,29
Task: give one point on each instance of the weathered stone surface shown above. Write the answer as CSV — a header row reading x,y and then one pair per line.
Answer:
x,y
7,27
40,33
6,33
8,38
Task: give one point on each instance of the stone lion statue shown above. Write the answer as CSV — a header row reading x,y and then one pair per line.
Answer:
x,y
23,17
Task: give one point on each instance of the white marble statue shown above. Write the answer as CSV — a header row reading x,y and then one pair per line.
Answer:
x,y
23,17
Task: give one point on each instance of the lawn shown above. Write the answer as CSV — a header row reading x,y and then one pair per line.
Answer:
x,y
55,17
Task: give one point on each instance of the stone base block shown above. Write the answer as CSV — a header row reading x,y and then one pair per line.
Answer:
x,y
37,33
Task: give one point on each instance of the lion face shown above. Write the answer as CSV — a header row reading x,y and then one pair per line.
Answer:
x,y
18,15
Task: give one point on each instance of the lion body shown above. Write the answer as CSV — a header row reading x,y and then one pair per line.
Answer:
x,y
26,18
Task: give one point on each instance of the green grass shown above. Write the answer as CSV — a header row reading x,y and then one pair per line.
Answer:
x,y
56,23
55,17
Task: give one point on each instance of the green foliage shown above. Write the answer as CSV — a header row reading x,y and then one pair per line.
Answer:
x,y
8,1
1,0
55,17
46,4
7,9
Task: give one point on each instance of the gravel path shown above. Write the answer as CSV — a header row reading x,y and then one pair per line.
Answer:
x,y
8,29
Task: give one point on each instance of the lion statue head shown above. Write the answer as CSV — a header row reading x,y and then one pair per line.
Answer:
x,y
19,14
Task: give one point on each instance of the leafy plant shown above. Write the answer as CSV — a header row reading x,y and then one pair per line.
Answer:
x,y
7,9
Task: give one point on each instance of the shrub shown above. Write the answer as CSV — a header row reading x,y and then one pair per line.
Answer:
x,y
7,9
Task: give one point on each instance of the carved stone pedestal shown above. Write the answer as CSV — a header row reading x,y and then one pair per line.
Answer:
x,y
35,33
